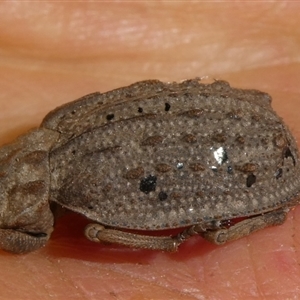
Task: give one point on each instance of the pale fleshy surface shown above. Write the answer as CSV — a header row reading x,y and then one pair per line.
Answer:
x,y
52,53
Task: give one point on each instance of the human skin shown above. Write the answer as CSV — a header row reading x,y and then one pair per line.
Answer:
x,y
52,53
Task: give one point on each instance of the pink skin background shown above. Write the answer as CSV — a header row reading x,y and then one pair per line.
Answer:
x,y
54,52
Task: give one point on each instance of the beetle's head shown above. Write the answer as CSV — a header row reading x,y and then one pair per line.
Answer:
x,y
24,183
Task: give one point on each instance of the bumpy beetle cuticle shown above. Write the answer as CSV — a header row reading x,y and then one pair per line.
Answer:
x,y
152,156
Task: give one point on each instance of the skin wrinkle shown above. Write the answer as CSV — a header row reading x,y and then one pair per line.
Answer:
x,y
270,280
292,247
290,256
251,283
152,278
187,280
64,279
205,278
145,282
208,274
197,285
294,233
104,269
258,292
32,274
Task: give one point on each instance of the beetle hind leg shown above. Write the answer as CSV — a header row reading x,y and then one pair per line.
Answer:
x,y
245,227
98,233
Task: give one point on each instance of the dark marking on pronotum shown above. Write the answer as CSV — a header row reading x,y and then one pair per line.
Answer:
x,y
162,196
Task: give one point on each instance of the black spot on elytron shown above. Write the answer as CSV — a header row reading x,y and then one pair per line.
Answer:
x,y
288,153
73,112
109,117
229,170
73,152
90,207
148,184
251,179
167,106
162,196
140,109
278,173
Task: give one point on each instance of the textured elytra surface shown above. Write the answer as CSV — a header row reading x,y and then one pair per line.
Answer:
x,y
157,156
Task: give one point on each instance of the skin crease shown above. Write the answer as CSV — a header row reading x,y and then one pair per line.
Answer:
x,y
52,53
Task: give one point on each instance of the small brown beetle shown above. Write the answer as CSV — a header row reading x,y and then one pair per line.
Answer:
x,y
208,158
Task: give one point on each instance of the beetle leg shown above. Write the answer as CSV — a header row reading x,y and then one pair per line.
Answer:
x,y
98,233
245,227
189,232
21,242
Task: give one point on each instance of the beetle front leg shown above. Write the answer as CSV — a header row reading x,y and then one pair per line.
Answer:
x,y
22,242
245,227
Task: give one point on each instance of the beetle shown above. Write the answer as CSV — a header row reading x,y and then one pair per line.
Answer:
x,y
208,158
